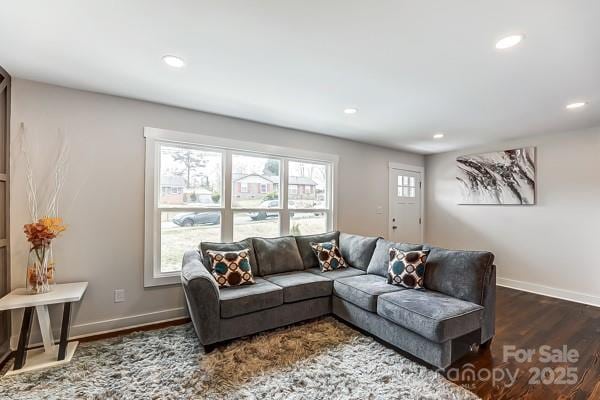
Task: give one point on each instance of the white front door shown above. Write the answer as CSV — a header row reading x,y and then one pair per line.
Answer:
x,y
405,206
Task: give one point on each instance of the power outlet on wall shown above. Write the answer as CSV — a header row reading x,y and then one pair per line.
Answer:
x,y
119,295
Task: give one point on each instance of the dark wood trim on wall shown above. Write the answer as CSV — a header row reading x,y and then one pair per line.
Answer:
x,y
5,98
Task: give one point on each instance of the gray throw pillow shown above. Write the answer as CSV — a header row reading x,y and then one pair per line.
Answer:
x,y
458,273
357,250
277,255
381,256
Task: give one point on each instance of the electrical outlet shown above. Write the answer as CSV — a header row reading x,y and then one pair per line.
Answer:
x,y
119,295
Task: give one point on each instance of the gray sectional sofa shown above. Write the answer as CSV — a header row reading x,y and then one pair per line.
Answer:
x,y
438,324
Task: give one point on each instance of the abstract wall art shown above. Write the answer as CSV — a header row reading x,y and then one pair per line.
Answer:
x,y
500,177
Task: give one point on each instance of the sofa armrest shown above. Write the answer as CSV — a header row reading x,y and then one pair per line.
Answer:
x,y
488,325
202,297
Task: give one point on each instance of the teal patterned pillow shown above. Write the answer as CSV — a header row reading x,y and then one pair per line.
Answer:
x,y
231,268
329,255
407,268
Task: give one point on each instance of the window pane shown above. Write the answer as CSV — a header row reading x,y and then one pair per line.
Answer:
x,y
412,192
261,223
255,182
308,223
400,193
180,232
189,177
307,185
412,181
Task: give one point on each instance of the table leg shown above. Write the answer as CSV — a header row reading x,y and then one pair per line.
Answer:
x,y
45,327
23,338
64,331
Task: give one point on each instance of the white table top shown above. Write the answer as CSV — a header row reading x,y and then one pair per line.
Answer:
x,y
60,293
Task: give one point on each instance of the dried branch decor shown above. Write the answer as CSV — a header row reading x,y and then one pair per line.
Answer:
x,y
47,226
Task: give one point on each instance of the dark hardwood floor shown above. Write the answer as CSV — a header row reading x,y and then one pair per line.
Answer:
x,y
528,321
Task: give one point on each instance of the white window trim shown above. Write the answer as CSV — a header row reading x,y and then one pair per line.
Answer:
x,y
244,187
152,274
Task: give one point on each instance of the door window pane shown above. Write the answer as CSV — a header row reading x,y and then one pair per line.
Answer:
x,y
307,185
183,231
308,223
407,186
189,177
261,223
255,182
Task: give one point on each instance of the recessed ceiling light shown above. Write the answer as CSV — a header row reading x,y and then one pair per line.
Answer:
x,y
439,135
509,41
173,61
350,110
575,105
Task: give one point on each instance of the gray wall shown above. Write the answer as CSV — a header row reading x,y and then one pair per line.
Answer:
x,y
104,195
549,248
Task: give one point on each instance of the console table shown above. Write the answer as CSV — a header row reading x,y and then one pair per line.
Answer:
x,y
50,355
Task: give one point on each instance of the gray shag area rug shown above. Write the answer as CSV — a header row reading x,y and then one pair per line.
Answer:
x,y
322,359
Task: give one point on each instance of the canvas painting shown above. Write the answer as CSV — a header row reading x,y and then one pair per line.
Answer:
x,y
501,177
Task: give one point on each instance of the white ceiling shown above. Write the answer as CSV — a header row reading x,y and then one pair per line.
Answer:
x,y
412,68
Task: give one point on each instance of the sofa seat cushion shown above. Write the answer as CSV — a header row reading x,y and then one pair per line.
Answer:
x,y
240,300
434,315
299,286
363,290
338,273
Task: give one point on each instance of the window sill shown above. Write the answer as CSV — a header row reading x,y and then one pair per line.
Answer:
x,y
163,280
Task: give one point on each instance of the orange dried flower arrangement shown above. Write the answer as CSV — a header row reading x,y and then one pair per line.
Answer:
x,y
40,268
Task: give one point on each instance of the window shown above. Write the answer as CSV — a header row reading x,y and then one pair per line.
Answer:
x,y
407,186
199,188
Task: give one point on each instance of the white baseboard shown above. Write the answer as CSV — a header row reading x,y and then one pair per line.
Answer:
x,y
108,325
550,291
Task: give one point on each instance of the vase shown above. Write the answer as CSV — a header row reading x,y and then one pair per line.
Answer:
x,y
39,270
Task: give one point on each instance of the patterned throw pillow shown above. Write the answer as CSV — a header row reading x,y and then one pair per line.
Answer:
x,y
329,255
231,268
407,268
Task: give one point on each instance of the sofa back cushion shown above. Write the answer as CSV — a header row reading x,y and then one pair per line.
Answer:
x,y
309,259
357,250
277,255
234,246
381,256
458,273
